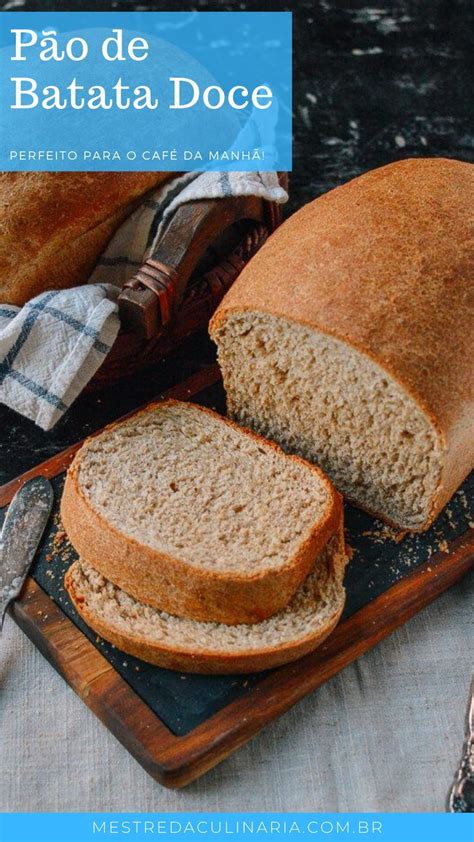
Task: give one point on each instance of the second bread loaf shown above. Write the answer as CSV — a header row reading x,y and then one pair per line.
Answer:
x,y
54,226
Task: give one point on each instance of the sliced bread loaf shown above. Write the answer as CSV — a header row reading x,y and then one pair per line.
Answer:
x,y
349,337
189,513
192,646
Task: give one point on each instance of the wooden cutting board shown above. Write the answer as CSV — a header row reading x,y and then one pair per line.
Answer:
x,y
178,726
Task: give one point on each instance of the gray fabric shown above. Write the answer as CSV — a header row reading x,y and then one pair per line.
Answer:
x,y
386,734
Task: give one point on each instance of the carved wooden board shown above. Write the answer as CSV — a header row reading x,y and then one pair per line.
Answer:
x,y
179,726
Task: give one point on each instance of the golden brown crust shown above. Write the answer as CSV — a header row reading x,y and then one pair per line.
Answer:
x,y
385,263
176,586
54,226
207,662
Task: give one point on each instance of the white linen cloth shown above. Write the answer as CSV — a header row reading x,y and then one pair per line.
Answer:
x,y
384,735
51,347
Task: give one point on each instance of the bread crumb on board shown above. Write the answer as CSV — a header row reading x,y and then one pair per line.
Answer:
x,y
382,532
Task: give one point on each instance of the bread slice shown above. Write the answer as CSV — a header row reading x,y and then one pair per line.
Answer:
x,y
189,513
193,646
349,337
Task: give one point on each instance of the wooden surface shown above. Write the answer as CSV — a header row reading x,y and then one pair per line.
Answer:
x,y
151,298
201,253
177,760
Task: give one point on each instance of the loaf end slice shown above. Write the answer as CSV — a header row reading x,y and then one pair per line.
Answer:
x,y
205,647
190,514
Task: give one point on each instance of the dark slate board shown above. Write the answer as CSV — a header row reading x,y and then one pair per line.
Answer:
x,y
184,701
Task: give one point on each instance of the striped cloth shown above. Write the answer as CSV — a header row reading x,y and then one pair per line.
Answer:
x,y
52,346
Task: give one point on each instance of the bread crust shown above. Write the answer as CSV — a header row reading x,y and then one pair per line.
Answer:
x,y
205,661
176,586
54,226
385,263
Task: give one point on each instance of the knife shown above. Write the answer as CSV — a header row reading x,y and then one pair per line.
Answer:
x,y
461,797
24,525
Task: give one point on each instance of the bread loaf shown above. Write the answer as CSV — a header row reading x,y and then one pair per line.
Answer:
x,y
190,514
54,226
191,646
348,338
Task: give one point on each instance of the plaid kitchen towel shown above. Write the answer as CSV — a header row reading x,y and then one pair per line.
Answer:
x,y
52,346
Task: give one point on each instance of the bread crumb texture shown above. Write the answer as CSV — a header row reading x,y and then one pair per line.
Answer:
x,y
181,481
319,599
326,401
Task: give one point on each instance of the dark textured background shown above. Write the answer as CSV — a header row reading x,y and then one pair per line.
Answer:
x,y
373,82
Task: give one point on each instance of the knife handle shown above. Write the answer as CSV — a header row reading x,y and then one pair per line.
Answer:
x,y
461,797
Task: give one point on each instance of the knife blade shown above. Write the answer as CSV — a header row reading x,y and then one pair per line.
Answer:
x,y
23,527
